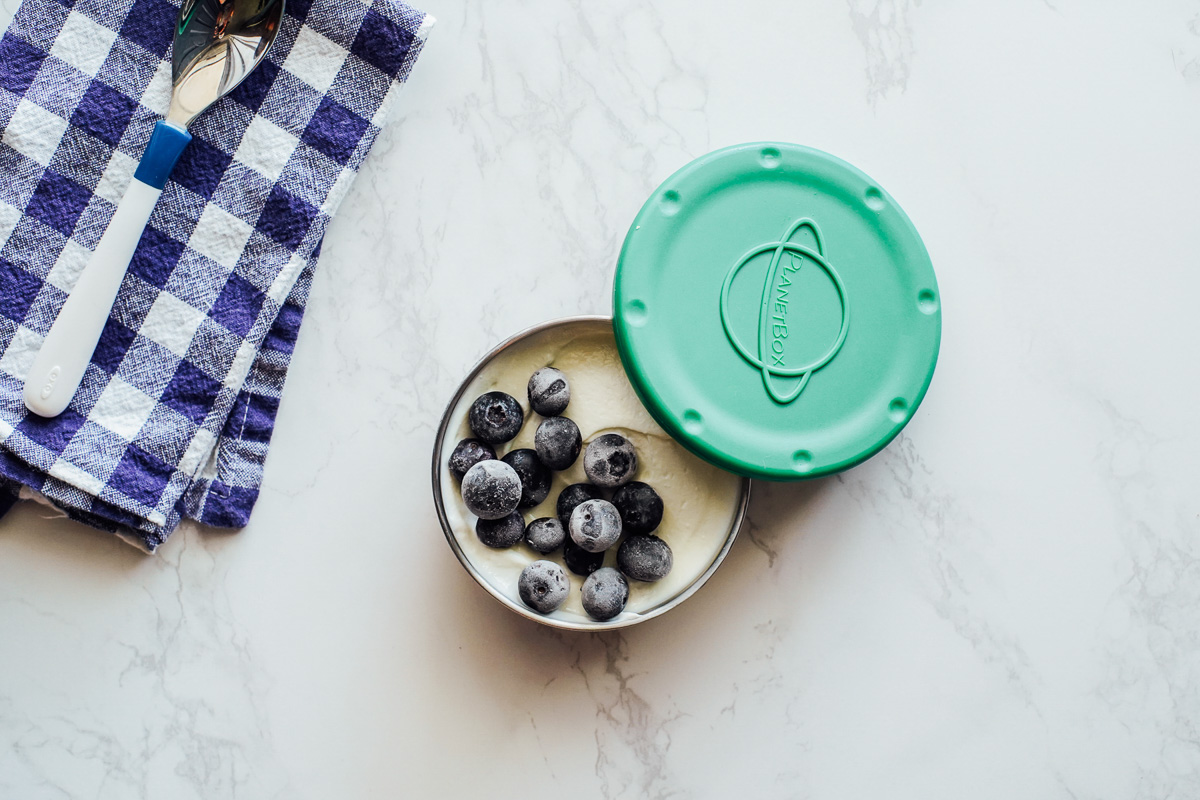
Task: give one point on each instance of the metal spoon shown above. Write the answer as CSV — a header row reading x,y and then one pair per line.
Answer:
x,y
217,43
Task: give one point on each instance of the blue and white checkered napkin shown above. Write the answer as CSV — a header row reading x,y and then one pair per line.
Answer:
x,y
176,410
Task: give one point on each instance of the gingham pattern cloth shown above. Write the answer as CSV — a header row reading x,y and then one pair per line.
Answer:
x,y
176,410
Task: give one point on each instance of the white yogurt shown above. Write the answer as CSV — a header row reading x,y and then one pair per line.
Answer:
x,y
700,501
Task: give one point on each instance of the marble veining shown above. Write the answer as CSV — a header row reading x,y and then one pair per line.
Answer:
x,y
883,28
1003,603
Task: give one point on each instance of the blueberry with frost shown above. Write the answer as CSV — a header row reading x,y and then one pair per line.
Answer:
x,y
500,533
496,417
604,594
549,392
491,489
545,534
644,558
595,525
640,507
558,442
610,461
543,586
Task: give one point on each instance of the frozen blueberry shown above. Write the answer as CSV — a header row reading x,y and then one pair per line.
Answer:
x,y
543,586
572,496
467,454
604,594
558,442
640,507
595,525
610,461
644,558
545,534
491,489
503,532
535,478
496,417
580,561
549,392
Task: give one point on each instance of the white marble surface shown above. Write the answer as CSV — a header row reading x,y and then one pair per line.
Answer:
x,y
1004,604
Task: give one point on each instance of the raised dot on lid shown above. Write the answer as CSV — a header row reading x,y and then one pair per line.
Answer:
x,y
769,157
927,302
668,204
802,461
874,199
898,409
635,313
693,423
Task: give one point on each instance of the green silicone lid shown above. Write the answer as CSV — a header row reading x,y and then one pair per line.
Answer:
x,y
776,311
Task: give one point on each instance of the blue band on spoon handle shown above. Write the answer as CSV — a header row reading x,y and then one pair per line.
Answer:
x,y
166,145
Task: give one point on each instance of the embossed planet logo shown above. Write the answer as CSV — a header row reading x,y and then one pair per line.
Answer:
x,y
779,348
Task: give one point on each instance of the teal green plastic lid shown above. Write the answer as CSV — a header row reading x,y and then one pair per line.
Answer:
x,y
776,311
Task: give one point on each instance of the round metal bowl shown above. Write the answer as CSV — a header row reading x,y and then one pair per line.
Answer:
x,y
442,479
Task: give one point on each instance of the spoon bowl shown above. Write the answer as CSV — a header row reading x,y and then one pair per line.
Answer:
x,y
217,44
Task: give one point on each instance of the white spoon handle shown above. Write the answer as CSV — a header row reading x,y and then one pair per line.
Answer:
x,y
68,347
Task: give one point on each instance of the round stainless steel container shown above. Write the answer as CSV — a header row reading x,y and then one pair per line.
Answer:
x,y
442,480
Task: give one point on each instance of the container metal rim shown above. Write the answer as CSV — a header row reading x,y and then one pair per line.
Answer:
x,y
439,445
